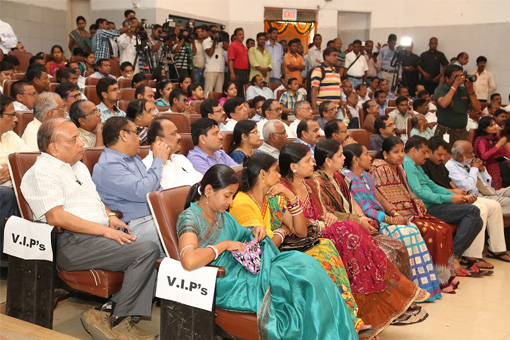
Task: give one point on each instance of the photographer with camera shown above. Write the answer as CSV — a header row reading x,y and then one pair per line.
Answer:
x,y
214,47
184,50
100,41
156,45
127,47
452,104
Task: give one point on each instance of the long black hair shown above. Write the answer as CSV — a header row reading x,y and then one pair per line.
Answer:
x,y
219,176
387,145
325,149
351,151
242,127
291,153
483,124
251,169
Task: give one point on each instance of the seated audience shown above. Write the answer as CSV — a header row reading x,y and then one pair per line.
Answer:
x,y
207,202
184,82
103,69
66,197
14,61
420,106
236,110
69,93
163,90
271,109
138,79
177,170
400,116
337,130
24,93
141,112
500,117
211,108
229,91
87,118
258,88
88,64
328,111
108,91
367,201
122,179
385,86
58,61
385,128
6,72
290,97
245,140
126,70
439,202
275,137
302,111
195,92
308,134
491,149
80,81
380,99
350,111
371,113
419,127
38,59
424,94
179,102
346,88
46,106
373,86
256,104
38,77
363,96
208,149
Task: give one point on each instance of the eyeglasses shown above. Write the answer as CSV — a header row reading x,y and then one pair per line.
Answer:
x,y
279,109
94,112
280,133
131,131
75,96
307,108
61,108
31,94
12,115
114,90
218,111
332,109
182,99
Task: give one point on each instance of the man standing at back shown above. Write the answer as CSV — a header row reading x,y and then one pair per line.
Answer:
x,y
325,82
238,64
429,65
356,65
276,50
385,57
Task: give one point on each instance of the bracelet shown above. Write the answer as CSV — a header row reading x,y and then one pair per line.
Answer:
x,y
472,93
279,234
361,215
453,88
281,230
183,250
295,198
215,251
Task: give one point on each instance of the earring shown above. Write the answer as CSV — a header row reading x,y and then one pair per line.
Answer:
x,y
206,200
294,171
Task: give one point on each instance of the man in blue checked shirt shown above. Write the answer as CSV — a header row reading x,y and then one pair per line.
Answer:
x,y
101,42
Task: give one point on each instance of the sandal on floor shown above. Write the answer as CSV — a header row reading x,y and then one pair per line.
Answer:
x,y
471,263
491,255
481,271
468,273
448,290
367,331
423,296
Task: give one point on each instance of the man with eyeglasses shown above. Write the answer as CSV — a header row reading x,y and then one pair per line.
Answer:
x,y
87,118
271,110
328,111
179,102
69,93
302,110
211,108
46,105
385,127
109,92
24,93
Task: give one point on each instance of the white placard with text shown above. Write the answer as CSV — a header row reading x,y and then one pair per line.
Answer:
x,y
193,288
28,240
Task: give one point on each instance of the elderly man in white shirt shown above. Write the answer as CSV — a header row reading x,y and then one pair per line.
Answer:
x,y
177,170
60,192
477,181
275,137
303,111
258,88
46,105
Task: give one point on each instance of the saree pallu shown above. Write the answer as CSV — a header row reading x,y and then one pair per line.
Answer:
x,y
381,292
292,295
422,269
84,44
337,199
436,233
485,149
248,214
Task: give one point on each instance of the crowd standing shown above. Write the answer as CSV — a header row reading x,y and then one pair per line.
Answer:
x,y
434,152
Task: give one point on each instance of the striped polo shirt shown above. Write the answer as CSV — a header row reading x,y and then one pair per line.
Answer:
x,y
329,87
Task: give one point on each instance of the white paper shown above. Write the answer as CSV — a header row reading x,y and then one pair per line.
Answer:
x,y
446,137
193,288
28,240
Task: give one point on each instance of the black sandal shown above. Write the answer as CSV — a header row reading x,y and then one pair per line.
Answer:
x,y
491,255
471,263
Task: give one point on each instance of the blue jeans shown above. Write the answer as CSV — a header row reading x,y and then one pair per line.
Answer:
x,y
355,81
274,80
467,216
199,76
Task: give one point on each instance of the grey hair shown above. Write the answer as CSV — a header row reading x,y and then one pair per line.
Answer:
x,y
269,128
457,150
47,131
44,103
298,105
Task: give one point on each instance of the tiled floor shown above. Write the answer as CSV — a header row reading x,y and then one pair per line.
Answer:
x,y
479,311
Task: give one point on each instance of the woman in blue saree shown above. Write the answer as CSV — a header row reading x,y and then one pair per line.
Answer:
x,y
292,295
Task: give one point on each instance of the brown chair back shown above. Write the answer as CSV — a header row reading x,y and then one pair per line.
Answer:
x,y
127,94
115,70
152,83
123,105
163,108
227,139
186,143
148,76
166,206
291,140
91,81
91,94
180,120
195,104
124,83
19,163
18,76
76,59
53,87
274,86
362,115
24,117
23,58
472,136
7,86
360,136
279,94
389,109
91,156
194,117
392,103
214,95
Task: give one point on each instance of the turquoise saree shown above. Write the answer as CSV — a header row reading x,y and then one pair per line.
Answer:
x,y
292,295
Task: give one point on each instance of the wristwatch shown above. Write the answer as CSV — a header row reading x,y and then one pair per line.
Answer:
x,y
111,214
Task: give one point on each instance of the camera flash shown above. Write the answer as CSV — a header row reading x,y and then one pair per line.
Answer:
x,y
406,41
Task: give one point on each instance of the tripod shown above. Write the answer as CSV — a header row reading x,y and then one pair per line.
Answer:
x,y
142,47
396,63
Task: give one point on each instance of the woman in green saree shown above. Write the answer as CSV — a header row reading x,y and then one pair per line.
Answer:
x,y
80,37
263,201
292,295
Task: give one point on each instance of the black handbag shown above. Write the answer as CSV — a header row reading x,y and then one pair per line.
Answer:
x,y
301,244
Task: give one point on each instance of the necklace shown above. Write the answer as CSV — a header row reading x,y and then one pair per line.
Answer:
x,y
256,202
213,218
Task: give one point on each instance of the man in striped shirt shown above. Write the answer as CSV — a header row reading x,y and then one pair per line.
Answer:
x,y
325,80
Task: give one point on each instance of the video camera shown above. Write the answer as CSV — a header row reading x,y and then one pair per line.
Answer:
x,y
472,78
221,35
190,29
